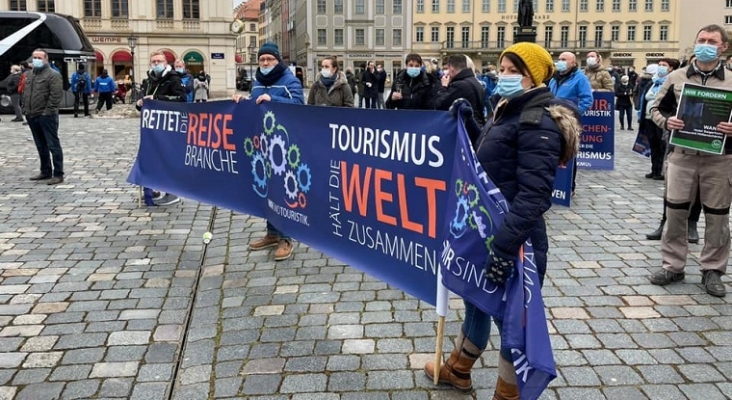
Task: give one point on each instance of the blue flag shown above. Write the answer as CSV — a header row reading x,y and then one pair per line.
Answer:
x,y
476,209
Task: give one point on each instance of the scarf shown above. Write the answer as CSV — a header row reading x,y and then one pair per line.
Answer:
x,y
271,78
657,83
328,82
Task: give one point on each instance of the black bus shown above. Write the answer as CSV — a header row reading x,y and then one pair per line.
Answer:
x,y
61,36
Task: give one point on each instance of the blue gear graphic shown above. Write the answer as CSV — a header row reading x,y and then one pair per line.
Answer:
x,y
273,145
462,207
264,145
304,186
290,177
248,147
293,161
260,181
269,115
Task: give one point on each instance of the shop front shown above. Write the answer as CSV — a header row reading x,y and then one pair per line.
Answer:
x,y
194,61
121,64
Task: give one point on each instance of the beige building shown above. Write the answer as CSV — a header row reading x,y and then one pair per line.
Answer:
x,y
247,42
713,12
625,32
197,31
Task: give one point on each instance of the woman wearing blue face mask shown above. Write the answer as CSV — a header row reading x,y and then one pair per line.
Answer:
x,y
413,87
331,86
530,135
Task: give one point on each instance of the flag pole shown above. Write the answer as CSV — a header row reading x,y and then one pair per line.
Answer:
x,y
441,308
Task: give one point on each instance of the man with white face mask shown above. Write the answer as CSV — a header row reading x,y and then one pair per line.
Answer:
x,y
600,79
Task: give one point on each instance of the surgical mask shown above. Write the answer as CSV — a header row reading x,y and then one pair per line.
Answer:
x,y
561,66
325,73
413,71
158,68
180,70
591,61
509,86
662,71
265,71
445,72
703,52
38,63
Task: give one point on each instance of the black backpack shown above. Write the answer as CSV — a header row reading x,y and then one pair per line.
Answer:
x,y
80,82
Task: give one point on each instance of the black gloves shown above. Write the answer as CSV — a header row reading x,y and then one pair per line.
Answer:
x,y
499,267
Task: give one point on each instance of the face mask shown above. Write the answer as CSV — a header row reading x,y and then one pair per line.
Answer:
x,y
662,71
631,70
180,70
509,86
158,68
591,61
703,52
38,63
561,66
413,71
445,72
326,73
265,71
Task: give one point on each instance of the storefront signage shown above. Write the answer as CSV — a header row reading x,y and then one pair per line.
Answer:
x,y
360,55
653,55
622,55
105,39
217,56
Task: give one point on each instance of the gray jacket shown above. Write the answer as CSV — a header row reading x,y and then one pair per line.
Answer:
x,y
43,92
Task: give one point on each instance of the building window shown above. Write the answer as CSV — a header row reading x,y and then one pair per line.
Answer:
x,y
501,6
322,7
615,33
729,3
121,10
338,7
322,37
435,36
396,37
564,37
665,5
420,6
584,5
632,5
379,38
501,37
253,41
649,5
582,36
548,33
93,8
18,5
486,7
647,33
663,33
515,32
419,34
616,5
379,6
191,9
485,35
728,19
631,33
565,5
359,7
550,6
599,32
450,37
338,37
451,6
435,6
360,36
466,6
46,6
600,5
397,6
465,37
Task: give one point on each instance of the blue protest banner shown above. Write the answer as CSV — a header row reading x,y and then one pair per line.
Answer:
x,y
562,192
597,142
642,144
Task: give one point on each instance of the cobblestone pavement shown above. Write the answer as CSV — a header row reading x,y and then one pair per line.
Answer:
x,y
101,299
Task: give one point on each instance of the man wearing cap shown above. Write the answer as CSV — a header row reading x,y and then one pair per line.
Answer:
x,y
274,82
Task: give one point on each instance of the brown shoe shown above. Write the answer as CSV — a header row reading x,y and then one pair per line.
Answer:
x,y
55,180
505,391
40,177
265,242
283,250
456,370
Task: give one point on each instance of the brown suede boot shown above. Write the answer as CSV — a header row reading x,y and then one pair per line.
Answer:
x,y
456,370
506,388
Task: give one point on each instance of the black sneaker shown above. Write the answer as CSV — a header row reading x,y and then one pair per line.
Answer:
x,y
712,281
663,277
167,200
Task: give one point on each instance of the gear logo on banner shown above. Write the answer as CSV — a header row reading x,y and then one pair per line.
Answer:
x,y
274,158
470,215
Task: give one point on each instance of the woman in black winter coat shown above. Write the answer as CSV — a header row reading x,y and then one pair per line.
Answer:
x,y
370,85
413,87
623,102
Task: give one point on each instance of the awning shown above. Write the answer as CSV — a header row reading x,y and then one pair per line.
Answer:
x,y
122,56
193,58
99,56
169,56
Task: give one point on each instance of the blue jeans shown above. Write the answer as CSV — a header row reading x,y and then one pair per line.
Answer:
x,y
271,230
477,328
45,134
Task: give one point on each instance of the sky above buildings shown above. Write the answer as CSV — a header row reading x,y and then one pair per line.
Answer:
x,y
237,2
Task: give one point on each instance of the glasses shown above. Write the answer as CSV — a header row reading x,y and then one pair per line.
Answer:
x,y
157,62
267,59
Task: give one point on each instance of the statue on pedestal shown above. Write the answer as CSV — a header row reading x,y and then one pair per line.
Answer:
x,y
526,13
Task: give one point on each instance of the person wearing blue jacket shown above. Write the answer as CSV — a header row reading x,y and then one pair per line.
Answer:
x,y
186,78
569,83
81,86
105,88
274,82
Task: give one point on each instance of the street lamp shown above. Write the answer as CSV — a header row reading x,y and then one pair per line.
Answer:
x,y
251,49
132,42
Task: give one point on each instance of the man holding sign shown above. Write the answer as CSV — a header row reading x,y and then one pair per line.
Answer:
x,y
692,167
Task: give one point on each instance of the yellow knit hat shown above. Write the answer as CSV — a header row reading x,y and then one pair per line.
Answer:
x,y
537,59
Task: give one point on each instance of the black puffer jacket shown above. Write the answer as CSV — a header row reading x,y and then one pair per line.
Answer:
x,y
167,86
465,85
520,151
417,93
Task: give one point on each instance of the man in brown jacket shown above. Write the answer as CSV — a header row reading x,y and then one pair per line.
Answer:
x,y
689,170
600,79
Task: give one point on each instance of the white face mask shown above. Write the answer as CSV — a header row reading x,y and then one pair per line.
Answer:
x,y
591,61
326,73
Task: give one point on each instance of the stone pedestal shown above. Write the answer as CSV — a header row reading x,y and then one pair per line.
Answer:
x,y
525,34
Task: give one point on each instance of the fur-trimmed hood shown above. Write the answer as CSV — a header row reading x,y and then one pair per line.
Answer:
x,y
568,122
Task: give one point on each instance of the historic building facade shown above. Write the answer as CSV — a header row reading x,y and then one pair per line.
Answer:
x,y
247,42
196,31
